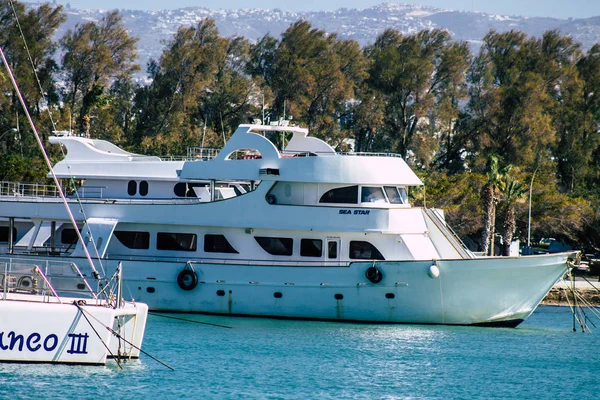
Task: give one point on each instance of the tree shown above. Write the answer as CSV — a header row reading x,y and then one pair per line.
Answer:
x,y
422,78
576,119
489,196
95,54
509,100
26,39
200,82
512,192
312,75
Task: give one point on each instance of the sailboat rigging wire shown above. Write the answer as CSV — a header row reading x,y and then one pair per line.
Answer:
x,y
72,178
48,162
32,64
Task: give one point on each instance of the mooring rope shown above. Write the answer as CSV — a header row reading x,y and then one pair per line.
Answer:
x,y
119,336
76,303
189,320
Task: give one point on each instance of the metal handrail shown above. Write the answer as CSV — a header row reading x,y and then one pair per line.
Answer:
x,y
447,231
23,189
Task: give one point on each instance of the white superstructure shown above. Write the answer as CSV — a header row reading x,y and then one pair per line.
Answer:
x,y
294,230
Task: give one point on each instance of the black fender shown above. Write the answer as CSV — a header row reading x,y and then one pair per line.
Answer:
x,y
187,279
373,274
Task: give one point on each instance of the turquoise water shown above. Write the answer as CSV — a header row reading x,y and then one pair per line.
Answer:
x,y
278,359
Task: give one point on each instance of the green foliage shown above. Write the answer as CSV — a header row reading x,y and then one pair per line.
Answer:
x,y
421,77
200,81
311,75
94,55
457,118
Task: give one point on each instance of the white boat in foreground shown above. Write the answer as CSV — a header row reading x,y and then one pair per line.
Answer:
x,y
37,324
41,320
296,232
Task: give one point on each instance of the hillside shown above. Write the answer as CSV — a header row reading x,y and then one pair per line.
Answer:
x,y
155,27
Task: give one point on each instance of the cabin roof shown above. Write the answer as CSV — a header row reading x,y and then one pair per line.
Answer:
x,y
248,155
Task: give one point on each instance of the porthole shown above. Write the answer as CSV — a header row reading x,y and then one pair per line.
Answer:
x,y
220,293
143,188
277,295
132,188
80,286
390,295
338,296
150,289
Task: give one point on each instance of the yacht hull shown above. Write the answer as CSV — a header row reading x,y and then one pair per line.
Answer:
x,y
501,291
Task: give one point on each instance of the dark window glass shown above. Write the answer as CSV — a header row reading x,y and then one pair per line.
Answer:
x,y
143,188
348,194
311,247
372,194
180,189
134,240
68,236
332,249
176,241
183,189
132,188
364,251
4,234
276,246
393,195
217,244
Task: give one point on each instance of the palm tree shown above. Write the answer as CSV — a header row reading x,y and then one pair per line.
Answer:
x,y
512,192
489,197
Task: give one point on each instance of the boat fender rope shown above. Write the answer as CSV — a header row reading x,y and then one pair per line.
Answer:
x,y
373,274
187,279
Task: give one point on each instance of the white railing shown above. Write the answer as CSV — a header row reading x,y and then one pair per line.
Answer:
x,y
201,153
89,192
370,154
21,189
41,277
18,189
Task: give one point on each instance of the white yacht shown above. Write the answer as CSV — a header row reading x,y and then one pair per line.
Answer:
x,y
265,229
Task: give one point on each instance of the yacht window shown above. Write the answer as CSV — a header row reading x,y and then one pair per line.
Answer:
x,y
276,246
403,194
217,244
68,236
347,194
311,247
4,234
393,195
332,249
176,241
180,189
372,194
132,188
183,189
364,251
133,239
143,188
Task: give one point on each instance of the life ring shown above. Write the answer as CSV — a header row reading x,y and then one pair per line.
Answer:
x,y
373,274
187,279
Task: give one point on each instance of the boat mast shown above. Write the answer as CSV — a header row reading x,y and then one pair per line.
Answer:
x,y
48,162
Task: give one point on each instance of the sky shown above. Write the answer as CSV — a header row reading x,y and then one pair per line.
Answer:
x,y
533,8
